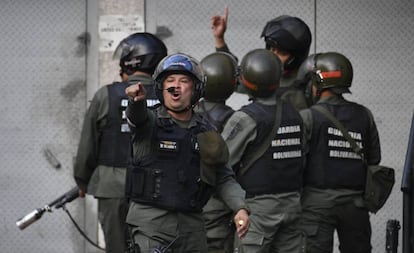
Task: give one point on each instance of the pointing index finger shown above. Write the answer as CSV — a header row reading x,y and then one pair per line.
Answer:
x,y
226,13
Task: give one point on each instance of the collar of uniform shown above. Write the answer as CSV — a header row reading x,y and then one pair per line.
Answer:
x,y
163,113
288,79
334,100
267,101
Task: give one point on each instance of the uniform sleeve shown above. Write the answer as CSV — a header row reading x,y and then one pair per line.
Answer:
x,y
230,190
216,171
373,152
238,133
136,113
87,153
226,49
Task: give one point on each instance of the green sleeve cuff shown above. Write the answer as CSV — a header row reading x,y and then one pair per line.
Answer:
x,y
243,207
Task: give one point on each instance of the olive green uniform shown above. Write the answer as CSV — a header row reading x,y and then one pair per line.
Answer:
x,y
327,210
290,93
274,218
154,227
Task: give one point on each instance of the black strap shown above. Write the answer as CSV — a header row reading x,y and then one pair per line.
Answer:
x,y
265,144
328,114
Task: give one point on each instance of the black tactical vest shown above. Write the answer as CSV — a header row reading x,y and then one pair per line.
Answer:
x,y
280,168
332,162
169,177
114,142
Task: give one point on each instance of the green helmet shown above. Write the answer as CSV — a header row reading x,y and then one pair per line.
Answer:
x,y
260,72
329,70
220,69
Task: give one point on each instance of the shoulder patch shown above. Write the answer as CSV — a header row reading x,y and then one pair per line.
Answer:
x,y
236,128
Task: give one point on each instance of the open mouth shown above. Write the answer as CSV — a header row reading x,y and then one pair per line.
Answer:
x,y
175,95
174,92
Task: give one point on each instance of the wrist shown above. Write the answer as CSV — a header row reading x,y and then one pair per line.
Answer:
x,y
220,43
245,208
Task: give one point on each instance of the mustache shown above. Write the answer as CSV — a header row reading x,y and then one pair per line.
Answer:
x,y
171,89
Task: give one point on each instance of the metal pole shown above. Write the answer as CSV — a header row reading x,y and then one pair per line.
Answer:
x,y
408,193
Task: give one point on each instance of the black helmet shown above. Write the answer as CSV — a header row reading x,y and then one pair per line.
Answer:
x,y
180,64
140,52
329,70
260,72
220,69
290,34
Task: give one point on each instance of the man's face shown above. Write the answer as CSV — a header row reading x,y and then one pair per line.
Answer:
x,y
180,98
